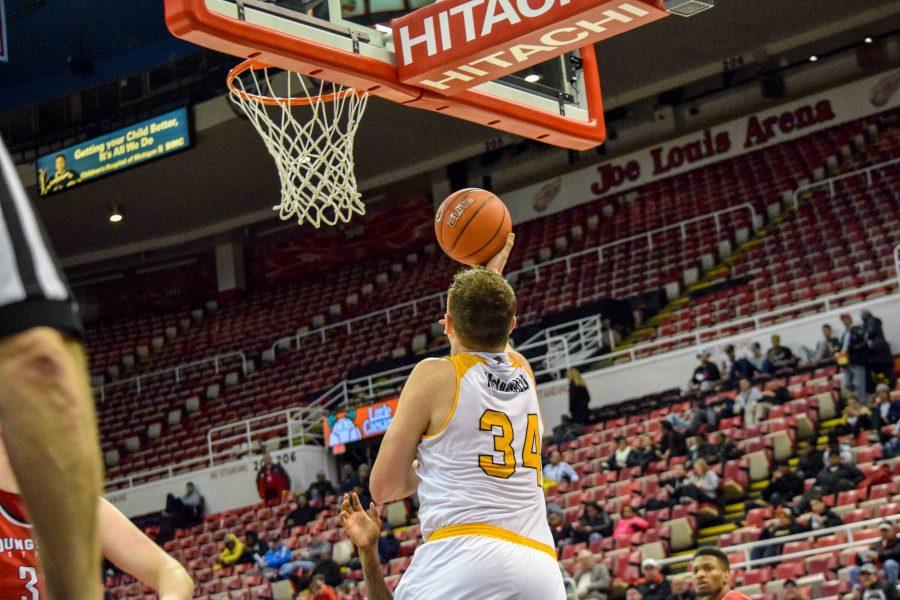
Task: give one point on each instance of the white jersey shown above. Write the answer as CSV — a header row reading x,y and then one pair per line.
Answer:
x,y
480,474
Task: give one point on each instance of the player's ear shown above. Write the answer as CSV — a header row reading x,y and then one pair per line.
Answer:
x,y
448,324
512,324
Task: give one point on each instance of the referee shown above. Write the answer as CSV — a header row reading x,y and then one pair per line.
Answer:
x,y
46,408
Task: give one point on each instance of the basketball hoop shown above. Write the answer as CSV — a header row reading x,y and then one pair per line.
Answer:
x,y
313,149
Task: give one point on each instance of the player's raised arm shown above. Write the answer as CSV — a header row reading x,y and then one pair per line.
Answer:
x,y
136,554
364,528
430,386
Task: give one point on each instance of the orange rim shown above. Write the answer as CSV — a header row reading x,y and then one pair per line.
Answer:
x,y
251,64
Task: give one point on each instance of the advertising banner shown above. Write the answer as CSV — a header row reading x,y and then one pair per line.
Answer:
x,y
788,121
153,138
357,424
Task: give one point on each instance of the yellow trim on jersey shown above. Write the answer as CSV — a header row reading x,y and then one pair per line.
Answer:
x,y
462,363
491,531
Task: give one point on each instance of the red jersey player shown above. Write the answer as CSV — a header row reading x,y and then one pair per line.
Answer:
x,y
121,542
711,574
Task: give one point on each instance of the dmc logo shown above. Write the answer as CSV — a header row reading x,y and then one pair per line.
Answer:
x,y
458,211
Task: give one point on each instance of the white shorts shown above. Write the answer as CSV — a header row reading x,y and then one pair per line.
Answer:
x,y
480,568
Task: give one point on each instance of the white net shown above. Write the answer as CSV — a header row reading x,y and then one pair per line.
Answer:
x,y
309,131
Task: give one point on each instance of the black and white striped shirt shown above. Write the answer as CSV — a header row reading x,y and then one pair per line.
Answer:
x,y
33,292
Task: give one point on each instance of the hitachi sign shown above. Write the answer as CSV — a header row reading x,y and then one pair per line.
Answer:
x,y
457,44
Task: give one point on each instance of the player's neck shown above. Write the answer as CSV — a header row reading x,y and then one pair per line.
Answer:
x,y
8,481
460,349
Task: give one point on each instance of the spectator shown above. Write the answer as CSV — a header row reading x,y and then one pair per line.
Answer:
x,y
891,447
706,375
782,525
882,474
320,590
623,457
737,368
672,484
810,462
826,348
632,593
187,510
329,569
566,431
594,524
272,481
579,397
721,450
855,418
879,359
885,410
253,547
592,581
692,419
871,587
820,516
835,477
362,484
231,553
672,442
349,478
647,454
784,485
790,591
885,552
559,470
702,483
559,529
629,523
276,562
654,585
779,357
757,358
842,450
852,358
302,514
681,588
388,545
321,488
749,401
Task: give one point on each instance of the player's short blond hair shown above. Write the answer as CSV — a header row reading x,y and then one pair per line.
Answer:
x,y
482,306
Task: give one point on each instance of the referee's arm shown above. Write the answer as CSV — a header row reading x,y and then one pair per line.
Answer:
x,y
46,408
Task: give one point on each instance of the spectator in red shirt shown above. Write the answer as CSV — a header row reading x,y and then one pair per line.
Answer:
x,y
319,590
711,574
272,481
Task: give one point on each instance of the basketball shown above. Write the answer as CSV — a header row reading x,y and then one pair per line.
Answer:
x,y
471,225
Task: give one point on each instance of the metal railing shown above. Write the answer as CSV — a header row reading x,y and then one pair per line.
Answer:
x,y
438,300
747,548
137,382
897,261
831,181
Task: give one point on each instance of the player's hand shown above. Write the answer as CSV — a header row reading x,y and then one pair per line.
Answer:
x,y
499,261
361,527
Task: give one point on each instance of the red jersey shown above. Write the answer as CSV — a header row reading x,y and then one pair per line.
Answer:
x,y
19,566
735,596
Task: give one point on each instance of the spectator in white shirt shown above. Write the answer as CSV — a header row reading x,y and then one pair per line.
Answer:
x,y
559,470
749,400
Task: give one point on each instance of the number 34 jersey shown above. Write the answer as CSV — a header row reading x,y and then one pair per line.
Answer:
x,y
19,564
480,474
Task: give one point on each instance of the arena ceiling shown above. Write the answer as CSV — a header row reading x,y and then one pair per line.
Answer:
x,y
228,177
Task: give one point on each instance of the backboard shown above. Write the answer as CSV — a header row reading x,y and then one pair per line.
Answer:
x,y
557,101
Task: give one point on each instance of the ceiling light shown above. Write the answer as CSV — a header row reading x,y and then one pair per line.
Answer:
x,y
116,215
868,40
813,58
532,78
